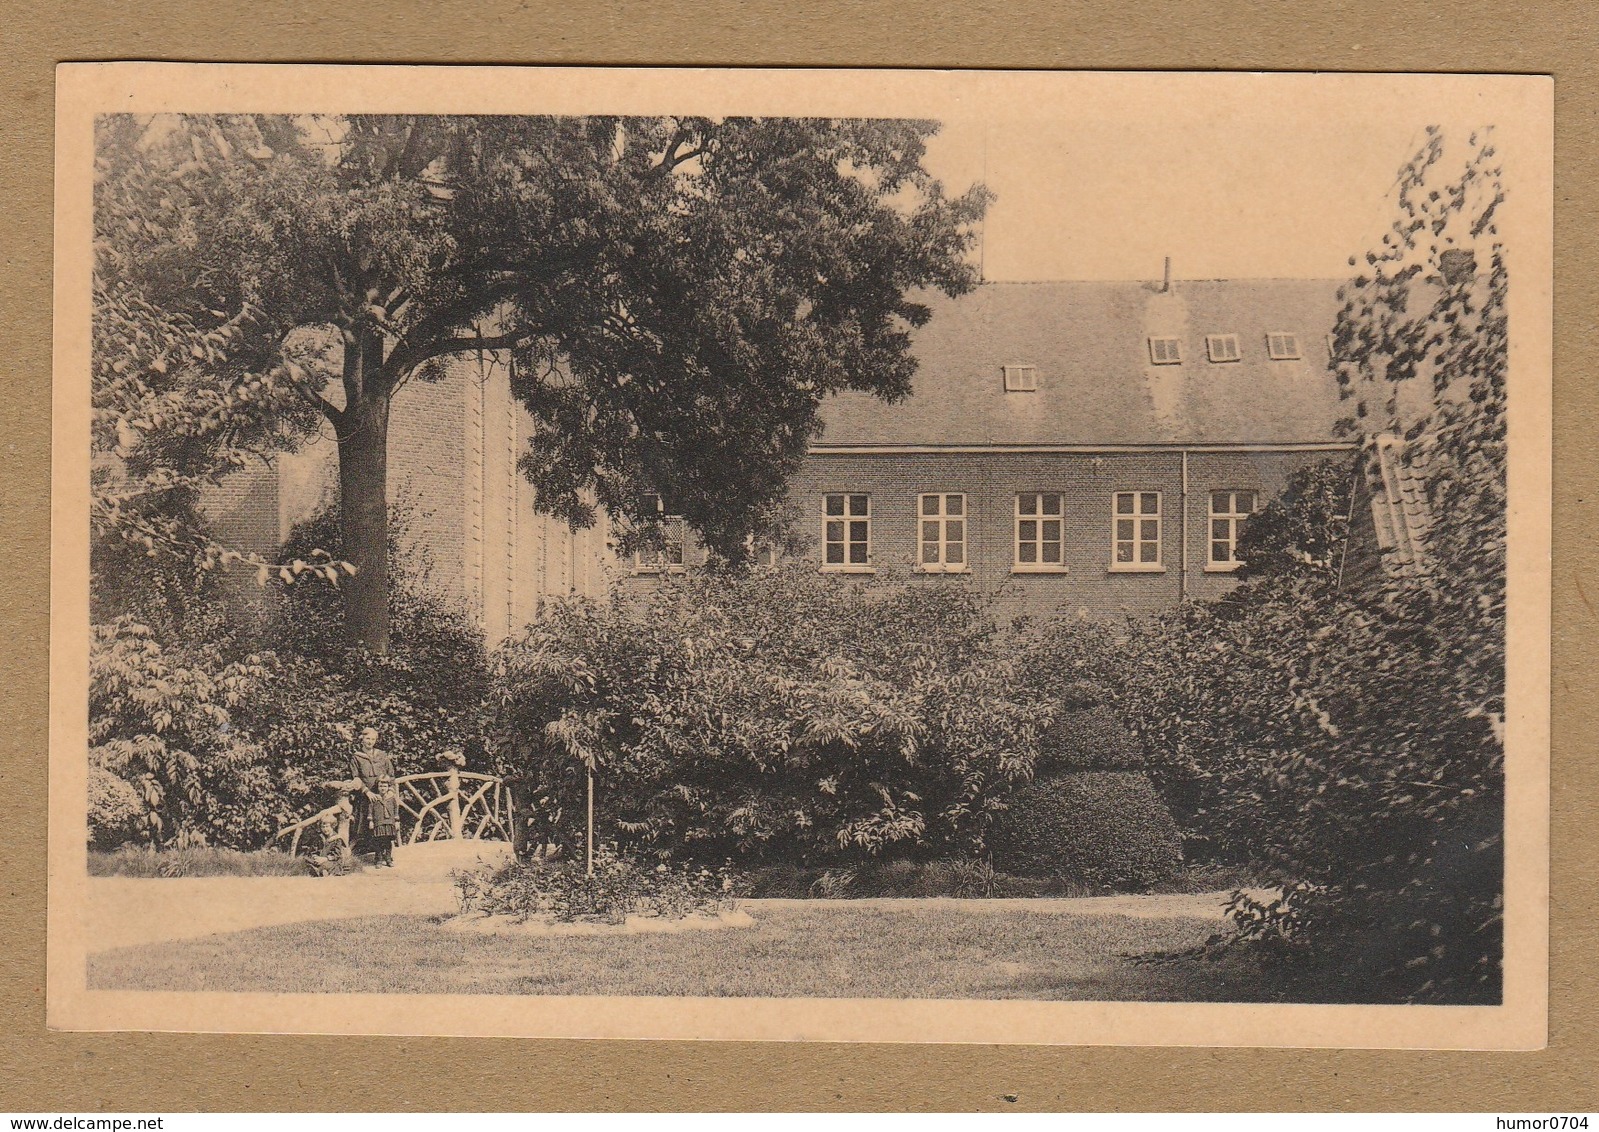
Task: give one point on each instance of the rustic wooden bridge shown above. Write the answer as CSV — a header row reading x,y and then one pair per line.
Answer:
x,y
449,804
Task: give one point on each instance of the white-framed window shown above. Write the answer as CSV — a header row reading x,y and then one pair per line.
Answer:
x,y
1281,346
1020,379
1165,352
941,522
1222,347
1135,530
846,531
667,553
1040,533
1228,510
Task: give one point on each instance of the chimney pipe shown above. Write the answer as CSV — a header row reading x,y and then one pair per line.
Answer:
x,y
1165,284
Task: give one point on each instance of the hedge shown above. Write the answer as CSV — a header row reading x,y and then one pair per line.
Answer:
x,y
1099,828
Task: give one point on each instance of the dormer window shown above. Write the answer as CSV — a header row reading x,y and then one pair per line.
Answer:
x,y
1282,347
1021,379
1165,352
1222,347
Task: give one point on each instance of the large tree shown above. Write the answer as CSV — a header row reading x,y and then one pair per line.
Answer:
x,y
676,296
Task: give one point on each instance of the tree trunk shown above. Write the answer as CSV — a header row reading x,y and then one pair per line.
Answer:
x,y
363,433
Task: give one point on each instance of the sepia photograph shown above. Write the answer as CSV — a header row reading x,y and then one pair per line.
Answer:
x,y
901,556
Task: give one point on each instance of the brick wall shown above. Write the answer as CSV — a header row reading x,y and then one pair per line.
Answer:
x,y
431,451
1087,484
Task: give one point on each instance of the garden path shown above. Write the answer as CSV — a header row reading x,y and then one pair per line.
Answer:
x,y
124,911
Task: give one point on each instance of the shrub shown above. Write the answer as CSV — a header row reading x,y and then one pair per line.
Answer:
x,y
424,696
563,891
205,732
773,715
116,812
129,861
1100,828
162,722
1088,739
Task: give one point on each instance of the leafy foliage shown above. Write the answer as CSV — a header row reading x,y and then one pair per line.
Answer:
x,y
772,714
211,732
162,722
1102,828
257,273
564,891
1353,737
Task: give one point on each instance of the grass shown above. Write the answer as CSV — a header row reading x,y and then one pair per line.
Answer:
x,y
821,949
131,861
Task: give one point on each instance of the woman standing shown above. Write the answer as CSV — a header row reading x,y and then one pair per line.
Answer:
x,y
375,770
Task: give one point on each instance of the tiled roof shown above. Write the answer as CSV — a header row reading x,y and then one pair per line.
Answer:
x,y
1399,508
1096,381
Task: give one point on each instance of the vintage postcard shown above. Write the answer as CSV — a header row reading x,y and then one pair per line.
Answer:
x,y
802,555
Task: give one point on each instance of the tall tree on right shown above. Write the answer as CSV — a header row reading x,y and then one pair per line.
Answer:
x,y
1351,736
1421,348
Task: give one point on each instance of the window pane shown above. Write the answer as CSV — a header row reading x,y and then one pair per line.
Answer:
x,y
929,505
1124,528
930,532
1149,530
1052,530
956,553
955,531
857,530
1052,552
1147,552
1219,552
1027,530
857,553
835,531
857,505
929,552
1219,528
1027,504
1219,501
835,504
1150,503
1027,552
1124,504
1246,502
954,505
835,553
1052,504
1124,552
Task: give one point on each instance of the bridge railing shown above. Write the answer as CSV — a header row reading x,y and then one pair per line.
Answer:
x,y
449,804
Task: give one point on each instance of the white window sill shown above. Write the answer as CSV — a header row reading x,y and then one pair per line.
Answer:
x,y
1222,567
848,569
639,571
1037,568
941,569
1135,568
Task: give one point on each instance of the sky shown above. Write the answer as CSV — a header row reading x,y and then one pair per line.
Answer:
x,y
1246,189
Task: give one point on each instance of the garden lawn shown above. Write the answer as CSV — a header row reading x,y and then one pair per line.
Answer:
x,y
837,949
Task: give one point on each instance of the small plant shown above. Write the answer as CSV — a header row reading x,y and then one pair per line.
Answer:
x,y
563,891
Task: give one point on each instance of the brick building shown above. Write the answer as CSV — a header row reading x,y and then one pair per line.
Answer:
x,y
1084,446
1089,446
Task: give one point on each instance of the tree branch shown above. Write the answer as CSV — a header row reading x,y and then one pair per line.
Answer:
x,y
318,402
